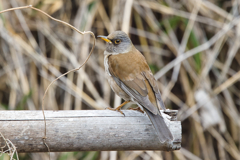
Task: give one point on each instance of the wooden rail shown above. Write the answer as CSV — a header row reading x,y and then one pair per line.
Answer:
x,y
85,130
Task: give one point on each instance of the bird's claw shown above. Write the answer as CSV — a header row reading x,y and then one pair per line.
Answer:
x,y
137,109
116,109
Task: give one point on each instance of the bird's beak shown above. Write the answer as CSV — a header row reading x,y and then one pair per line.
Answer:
x,y
105,39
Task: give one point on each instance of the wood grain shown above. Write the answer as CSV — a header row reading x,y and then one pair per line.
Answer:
x,y
85,130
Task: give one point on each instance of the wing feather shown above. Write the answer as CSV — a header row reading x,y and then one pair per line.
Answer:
x,y
149,76
142,100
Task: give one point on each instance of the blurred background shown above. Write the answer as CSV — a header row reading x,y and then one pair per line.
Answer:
x,y
191,46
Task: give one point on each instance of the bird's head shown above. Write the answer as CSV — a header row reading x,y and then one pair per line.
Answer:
x,y
117,42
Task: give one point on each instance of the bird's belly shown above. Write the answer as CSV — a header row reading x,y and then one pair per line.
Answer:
x,y
117,89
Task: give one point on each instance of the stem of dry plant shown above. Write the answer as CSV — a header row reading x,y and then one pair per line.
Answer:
x,y
11,148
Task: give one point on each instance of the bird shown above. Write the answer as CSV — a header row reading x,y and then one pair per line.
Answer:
x,y
130,77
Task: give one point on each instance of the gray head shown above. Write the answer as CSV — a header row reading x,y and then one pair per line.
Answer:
x,y
118,42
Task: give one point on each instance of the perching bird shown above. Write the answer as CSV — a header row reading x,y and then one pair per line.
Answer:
x,y
131,78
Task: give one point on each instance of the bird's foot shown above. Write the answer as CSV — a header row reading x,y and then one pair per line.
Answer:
x,y
119,107
116,109
137,109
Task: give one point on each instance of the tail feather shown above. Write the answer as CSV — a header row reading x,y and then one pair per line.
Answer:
x,y
164,134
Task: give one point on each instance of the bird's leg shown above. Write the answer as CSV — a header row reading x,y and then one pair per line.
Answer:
x,y
119,107
137,109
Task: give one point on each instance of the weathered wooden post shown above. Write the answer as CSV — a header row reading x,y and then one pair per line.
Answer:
x,y
85,130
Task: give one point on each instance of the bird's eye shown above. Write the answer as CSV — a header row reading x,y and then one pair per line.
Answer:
x,y
117,41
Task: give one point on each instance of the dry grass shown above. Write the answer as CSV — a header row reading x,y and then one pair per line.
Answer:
x,y
192,47
8,148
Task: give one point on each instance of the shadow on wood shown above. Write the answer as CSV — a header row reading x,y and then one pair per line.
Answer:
x,y
85,130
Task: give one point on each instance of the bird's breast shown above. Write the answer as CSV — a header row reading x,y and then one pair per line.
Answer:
x,y
112,82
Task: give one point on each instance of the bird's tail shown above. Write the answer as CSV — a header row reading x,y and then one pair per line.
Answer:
x,y
160,126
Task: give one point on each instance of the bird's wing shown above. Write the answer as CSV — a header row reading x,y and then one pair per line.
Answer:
x,y
153,84
132,74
